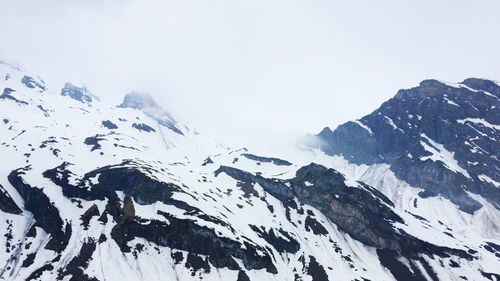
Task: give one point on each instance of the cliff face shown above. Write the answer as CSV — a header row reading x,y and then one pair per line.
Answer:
x,y
439,136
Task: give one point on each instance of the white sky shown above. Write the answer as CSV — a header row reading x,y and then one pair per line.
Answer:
x,y
253,73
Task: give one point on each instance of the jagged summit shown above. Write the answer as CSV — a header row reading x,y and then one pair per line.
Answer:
x,y
433,87
139,100
485,85
144,101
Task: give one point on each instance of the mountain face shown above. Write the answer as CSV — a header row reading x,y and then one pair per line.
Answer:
x,y
442,137
91,192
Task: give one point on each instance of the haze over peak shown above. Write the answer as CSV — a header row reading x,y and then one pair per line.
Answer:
x,y
146,103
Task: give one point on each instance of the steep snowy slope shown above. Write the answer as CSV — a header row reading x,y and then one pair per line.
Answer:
x,y
89,192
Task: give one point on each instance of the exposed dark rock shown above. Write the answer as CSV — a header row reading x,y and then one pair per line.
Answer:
x,y
30,258
181,234
286,244
368,222
45,111
178,257
45,214
45,143
196,263
93,211
428,269
275,161
207,161
7,204
242,276
8,91
316,270
143,127
80,94
491,276
311,224
492,248
454,264
132,182
108,124
79,263
9,246
31,83
102,238
31,232
94,142
359,211
399,270
7,95
276,188
37,273
483,85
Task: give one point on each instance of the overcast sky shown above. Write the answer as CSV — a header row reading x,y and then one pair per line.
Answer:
x,y
253,72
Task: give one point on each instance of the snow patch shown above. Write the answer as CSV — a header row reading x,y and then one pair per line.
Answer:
x,y
390,122
485,178
364,127
480,122
439,153
450,101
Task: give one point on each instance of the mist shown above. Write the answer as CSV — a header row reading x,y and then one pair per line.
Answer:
x,y
253,73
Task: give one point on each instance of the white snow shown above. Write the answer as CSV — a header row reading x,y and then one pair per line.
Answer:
x,y
364,127
485,178
439,153
460,85
390,122
479,121
450,101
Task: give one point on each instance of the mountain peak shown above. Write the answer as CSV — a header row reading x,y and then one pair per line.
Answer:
x,y
433,87
437,128
80,94
485,85
145,102
138,100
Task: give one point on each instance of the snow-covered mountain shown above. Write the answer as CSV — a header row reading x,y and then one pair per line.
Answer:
x,y
91,192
